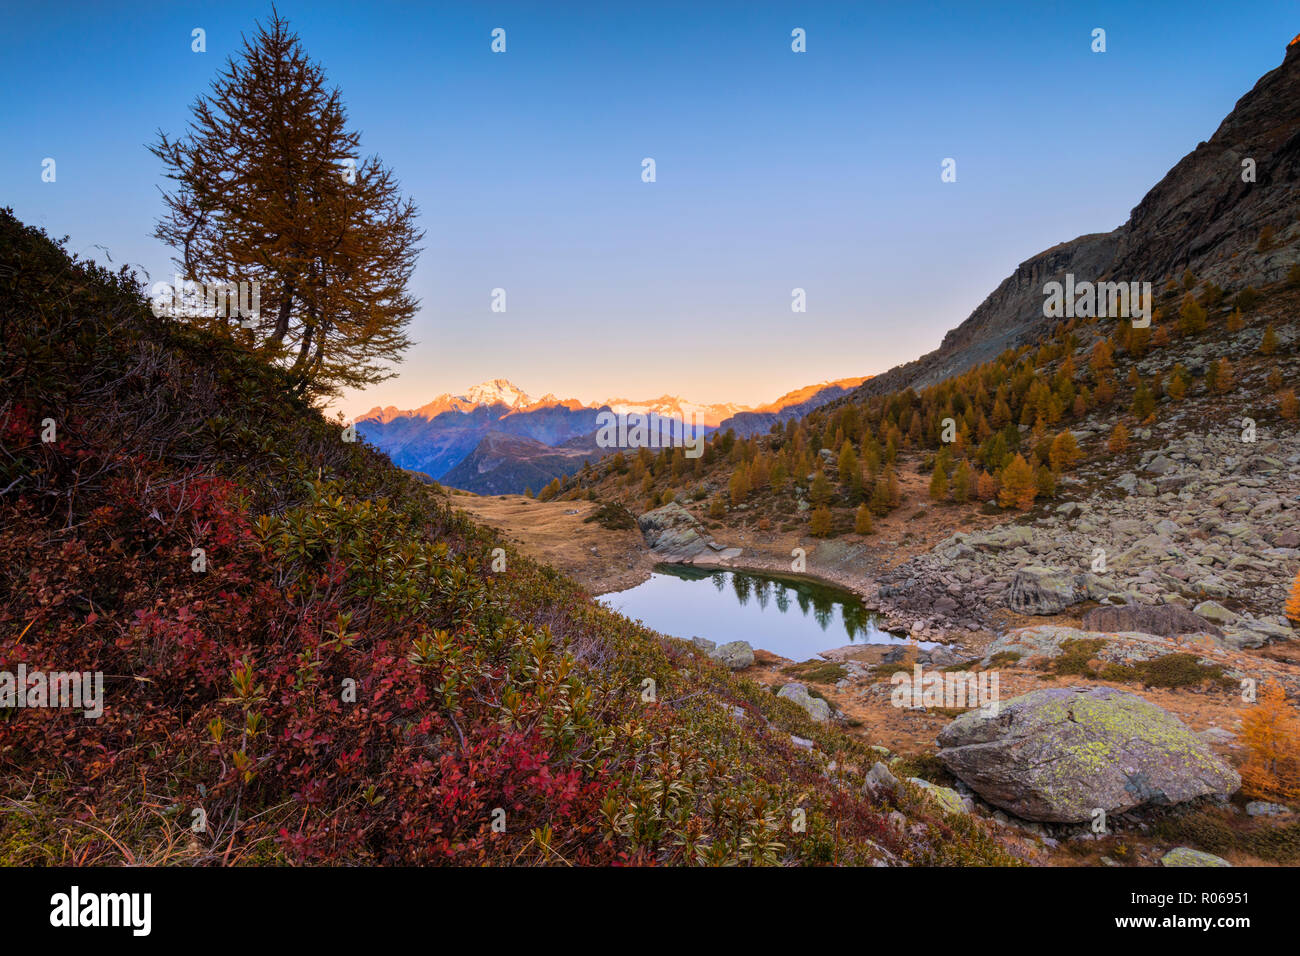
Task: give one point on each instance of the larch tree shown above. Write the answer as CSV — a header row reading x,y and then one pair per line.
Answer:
x,y
939,483
271,187
1019,487
1064,452
1118,438
1271,736
962,480
862,520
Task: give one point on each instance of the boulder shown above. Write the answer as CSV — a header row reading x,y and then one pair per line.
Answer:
x,y
1039,590
1057,754
1164,620
1049,640
1215,612
733,654
1186,856
996,539
673,533
879,780
817,708
704,644
1289,538
1251,632
947,799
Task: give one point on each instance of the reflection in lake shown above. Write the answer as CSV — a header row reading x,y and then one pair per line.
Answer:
x,y
745,606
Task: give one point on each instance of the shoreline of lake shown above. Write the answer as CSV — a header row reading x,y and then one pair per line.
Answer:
x,y
756,606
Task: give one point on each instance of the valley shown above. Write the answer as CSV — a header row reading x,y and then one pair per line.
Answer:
x,y
1101,513
1030,599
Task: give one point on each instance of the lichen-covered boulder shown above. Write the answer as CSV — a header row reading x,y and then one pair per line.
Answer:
x,y
817,708
1186,856
947,799
1059,754
734,654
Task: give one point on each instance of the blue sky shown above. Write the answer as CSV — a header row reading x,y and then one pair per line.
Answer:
x,y
775,170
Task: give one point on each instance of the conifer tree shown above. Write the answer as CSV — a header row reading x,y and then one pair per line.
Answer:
x,y
962,479
1018,485
819,525
1143,402
1177,387
820,492
272,188
1287,404
1271,736
1045,482
1118,439
1102,360
939,483
1224,376
1191,316
1065,452
1268,344
739,485
848,463
862,520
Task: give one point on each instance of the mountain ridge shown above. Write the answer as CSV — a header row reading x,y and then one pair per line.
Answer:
x,y
440,436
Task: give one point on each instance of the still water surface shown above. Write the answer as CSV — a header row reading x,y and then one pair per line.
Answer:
x,y
794,617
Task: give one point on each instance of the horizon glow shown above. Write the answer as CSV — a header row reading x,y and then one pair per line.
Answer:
x,y
774,169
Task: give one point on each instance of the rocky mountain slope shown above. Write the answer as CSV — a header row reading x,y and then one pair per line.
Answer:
x,y
508,464
1200,217
792,405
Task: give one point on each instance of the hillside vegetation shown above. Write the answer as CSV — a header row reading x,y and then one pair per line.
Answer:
x,y
309,659
1003,436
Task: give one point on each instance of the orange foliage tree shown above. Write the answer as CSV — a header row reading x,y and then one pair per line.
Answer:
x,y
1271,733
1118,438
1293,602
1018,485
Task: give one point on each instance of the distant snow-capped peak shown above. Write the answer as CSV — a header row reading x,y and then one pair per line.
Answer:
x,y
675,407
498,391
